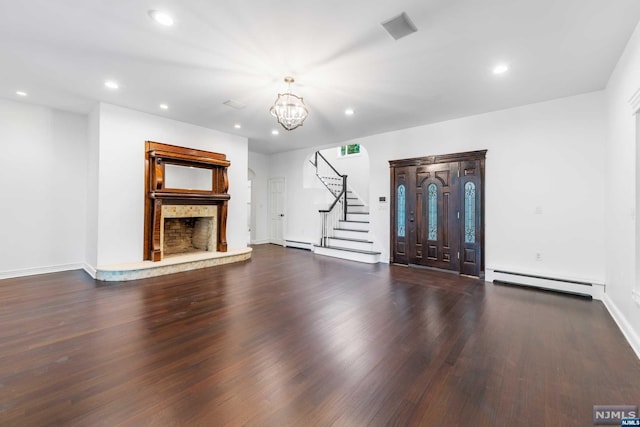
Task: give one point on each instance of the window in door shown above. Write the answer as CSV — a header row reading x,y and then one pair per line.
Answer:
x,y
432,191
401,196
469,212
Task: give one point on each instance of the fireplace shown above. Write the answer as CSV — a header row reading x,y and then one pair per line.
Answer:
x,y
186,201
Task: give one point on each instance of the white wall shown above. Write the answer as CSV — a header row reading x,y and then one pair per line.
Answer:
x,y
123,133
259,164
93,148
43,171
623,173
546,155
301,220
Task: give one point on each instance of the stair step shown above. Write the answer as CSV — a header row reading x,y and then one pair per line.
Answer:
x,y
354,225
358,251
351,240
355,205
351,229
358,213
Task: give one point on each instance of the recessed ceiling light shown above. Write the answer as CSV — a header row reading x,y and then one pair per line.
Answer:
x,y
500,69
21,93
275,132
237,126
349,112
111,84
164,106
162,18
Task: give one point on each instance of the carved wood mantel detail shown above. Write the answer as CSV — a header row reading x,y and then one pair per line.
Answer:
x,y
157,194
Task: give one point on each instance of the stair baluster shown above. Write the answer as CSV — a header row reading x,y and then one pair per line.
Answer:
x,y
336,183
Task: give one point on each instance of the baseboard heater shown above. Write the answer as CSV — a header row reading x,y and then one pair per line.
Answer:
x,y
569,286
298,244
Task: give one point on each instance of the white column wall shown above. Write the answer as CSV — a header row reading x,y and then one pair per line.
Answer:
x,y
123,133
93,166
42,171
259,164
623,176
302,220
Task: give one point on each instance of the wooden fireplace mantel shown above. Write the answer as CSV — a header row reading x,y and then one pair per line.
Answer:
x,y
157,155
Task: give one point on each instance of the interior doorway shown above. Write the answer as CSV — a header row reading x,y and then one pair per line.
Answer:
x,y
276,210
437,219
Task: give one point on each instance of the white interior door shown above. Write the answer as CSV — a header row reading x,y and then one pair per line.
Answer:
x,y
276,210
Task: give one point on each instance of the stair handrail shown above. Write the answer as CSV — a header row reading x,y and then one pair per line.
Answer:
x,y
327,162
339,198
334,203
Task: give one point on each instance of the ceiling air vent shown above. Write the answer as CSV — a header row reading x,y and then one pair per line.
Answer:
x,y
400,26
234,104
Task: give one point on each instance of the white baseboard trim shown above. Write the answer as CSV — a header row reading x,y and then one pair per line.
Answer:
x,y
572,285
298,244
39,270
90,270
624,325
260,242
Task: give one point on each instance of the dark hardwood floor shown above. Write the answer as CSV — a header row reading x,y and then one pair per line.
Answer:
x,y
293,339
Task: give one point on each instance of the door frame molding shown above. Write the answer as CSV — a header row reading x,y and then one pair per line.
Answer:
x,y
430,160
284,205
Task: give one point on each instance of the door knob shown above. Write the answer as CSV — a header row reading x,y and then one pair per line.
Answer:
x,y
281,214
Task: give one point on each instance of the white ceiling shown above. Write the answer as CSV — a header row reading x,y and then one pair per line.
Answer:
x,y
62,51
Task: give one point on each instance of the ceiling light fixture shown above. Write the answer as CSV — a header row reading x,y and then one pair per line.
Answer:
x,y
349,112
111,84
161,18
500,69
237,126
164,106
275,132
21,93
289,109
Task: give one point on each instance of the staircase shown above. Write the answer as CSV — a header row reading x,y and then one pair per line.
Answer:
x,y
345,225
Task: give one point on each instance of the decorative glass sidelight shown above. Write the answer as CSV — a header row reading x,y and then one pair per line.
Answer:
x,y
401,210
470,212
432,191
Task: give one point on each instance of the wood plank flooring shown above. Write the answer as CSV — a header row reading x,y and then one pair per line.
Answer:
x,y
293,339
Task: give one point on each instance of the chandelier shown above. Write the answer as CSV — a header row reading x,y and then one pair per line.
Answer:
x,y
289,109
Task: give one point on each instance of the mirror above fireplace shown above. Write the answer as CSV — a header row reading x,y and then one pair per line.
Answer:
x,y
187,177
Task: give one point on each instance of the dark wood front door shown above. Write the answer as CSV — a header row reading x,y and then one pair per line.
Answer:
x,y
437,217
433,231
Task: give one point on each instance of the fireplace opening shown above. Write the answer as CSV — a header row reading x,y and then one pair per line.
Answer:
x,y
187,235
188,229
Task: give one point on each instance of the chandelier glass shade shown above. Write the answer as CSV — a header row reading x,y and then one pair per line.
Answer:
x,y
289,109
